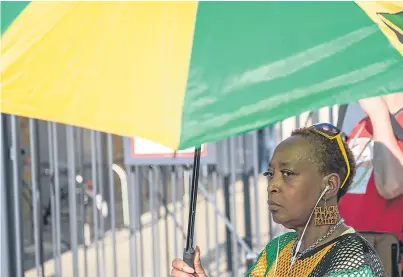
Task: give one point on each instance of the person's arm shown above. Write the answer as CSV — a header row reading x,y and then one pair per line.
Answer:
x,y
388,157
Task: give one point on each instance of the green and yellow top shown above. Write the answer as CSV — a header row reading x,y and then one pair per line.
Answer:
x,y
347,255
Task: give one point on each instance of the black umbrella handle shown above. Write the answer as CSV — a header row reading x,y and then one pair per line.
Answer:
x,y
188,253
188,257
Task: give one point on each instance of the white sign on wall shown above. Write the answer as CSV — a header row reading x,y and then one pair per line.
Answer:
x,y
141,151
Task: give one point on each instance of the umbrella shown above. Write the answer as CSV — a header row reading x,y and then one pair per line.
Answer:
x,y
187,73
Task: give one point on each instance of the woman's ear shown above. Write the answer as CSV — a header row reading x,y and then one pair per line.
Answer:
x,y
333,182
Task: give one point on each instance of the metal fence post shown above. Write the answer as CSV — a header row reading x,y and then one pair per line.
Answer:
x,y
164,182
36,195
204,180
101,172
228,247
8,263
72,197
16,195
235,253
173,199
112,201
255,159
246,197
132,221
152,178
216,237
95,185
83,188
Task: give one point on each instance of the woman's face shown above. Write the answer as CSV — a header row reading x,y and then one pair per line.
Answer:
x,y
294,182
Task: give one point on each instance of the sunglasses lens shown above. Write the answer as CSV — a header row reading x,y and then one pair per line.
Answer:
x,y
327,127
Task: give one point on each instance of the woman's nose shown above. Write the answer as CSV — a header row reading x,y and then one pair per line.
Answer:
x,y
273,186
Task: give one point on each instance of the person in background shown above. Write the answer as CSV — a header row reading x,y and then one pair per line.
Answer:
x,y
374,201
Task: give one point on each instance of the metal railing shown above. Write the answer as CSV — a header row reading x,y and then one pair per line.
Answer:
x,y
76,209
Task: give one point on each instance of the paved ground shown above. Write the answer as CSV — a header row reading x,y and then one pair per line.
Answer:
x,y
165,246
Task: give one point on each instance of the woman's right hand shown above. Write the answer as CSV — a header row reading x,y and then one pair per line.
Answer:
x,y
181,269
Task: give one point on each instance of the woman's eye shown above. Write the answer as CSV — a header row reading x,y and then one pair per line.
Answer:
x,y
269,174
287,173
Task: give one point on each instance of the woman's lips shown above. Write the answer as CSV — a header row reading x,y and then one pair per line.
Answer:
x,y
273,206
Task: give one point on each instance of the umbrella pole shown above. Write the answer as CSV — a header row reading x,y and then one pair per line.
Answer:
x,y
188,252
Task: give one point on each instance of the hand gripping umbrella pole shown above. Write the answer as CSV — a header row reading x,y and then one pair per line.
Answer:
x,y
188,252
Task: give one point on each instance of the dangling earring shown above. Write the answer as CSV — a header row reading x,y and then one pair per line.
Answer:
x,y
326,215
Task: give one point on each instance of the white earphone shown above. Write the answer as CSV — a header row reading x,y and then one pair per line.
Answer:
x,y
293,259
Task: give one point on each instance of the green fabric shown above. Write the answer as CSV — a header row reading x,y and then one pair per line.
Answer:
x,y
396,19
253,65
254,265
271,250
9,12
364,271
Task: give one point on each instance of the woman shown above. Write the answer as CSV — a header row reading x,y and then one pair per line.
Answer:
x,y
308,174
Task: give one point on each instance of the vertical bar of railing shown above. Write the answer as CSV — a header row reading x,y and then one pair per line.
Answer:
x,y
216,238
36,207
16,197
56,184
139,200
164,173
336,109
151,183
315,117
52,192
100,195
112,201
173,192
40,199
297,121
233,208
205,181
331,115
72,197
95,214
246,195
224,181
132,222
157,203
182,206
228,240
256,187
271,142
124,183
7,268
83,189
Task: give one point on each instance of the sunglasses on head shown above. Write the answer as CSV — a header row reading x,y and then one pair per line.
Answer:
x,y
319,128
